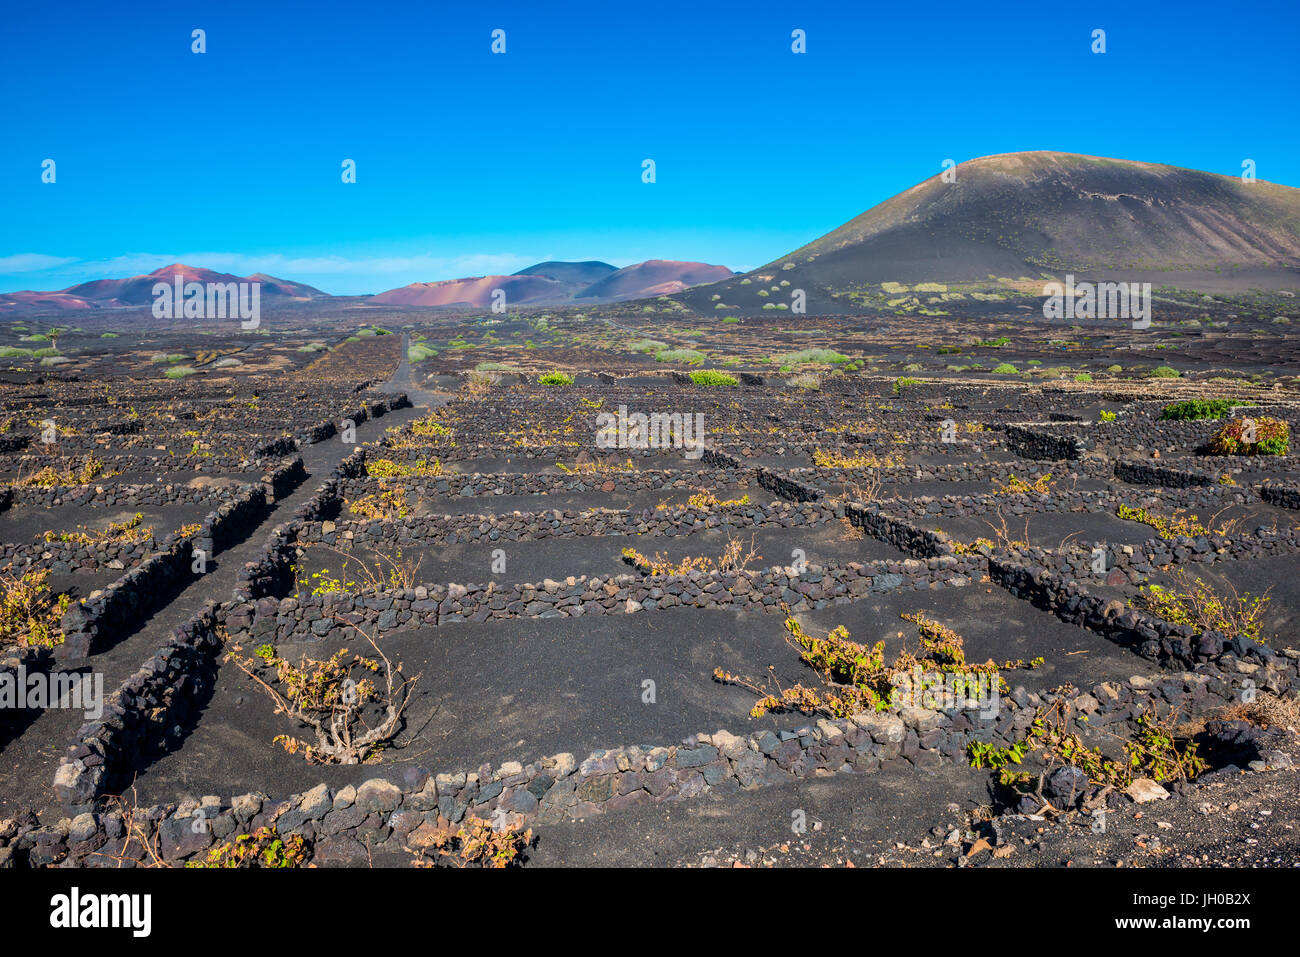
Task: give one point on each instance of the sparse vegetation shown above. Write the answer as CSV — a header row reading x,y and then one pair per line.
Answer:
x,y
1195,603
30,613
337,698
1197,409
712,377
1245,436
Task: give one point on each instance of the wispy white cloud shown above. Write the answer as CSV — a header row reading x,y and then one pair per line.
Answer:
x,y
31,262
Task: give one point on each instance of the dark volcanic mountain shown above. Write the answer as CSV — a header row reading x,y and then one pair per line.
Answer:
x,y
138,290
1040,214
581,274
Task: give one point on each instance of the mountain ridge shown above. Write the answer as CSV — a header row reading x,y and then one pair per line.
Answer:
x,y
1039,215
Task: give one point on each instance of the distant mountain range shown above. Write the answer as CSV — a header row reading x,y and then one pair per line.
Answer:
x,y
548,283
554,283
138,290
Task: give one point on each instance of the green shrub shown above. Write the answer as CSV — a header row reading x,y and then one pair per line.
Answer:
x,y
829,356
555,378
713,377
1272,437
1006,368
903,382
690,356
1198,409
1164,372
179,372
647,345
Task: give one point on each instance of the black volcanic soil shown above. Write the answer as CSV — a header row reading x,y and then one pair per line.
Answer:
x,y
520,689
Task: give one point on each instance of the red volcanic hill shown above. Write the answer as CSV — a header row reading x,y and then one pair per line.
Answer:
x,y
655,277
552,283
477,291
287,287
138,290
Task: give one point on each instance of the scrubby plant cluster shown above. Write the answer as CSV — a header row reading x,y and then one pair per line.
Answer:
x,y
387,468
1154,752
29,612
827,459
705,500
263,848
855,678
475,843
1015,485
733,558
1197,604
596,467
1197,409
1262,436
1176,526
388,572
385,505
337,698
49,477
712,377
132,531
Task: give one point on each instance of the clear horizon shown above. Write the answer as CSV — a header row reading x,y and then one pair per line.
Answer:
x,y
473,163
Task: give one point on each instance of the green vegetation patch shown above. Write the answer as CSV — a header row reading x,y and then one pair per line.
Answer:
x,y
1197,409
712,377
1246,436
689,356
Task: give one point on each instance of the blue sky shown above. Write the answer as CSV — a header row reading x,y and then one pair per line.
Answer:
x,y
472,163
